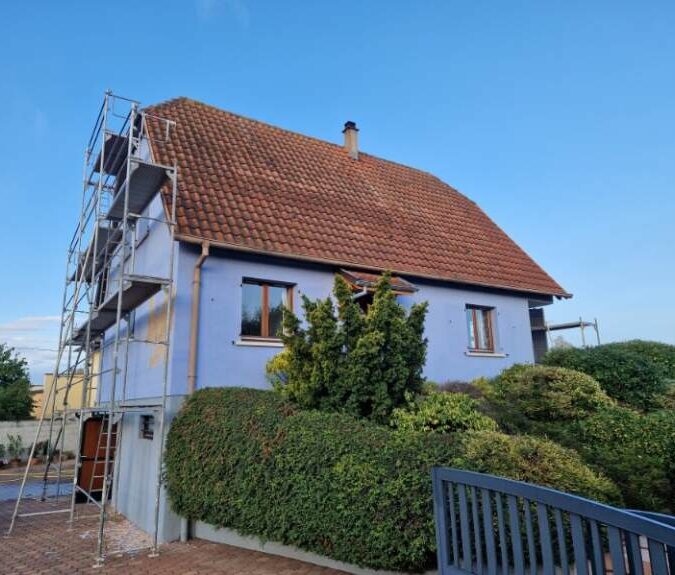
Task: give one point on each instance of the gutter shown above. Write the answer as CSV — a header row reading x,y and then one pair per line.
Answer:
x,y
194,319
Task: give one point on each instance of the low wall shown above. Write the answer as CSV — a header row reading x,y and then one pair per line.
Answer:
x,y
26,429
208,532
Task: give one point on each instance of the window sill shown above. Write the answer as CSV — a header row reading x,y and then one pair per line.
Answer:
x,y
258,342
485,354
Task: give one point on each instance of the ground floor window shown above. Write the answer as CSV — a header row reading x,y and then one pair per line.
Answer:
x,y
480,326
147,426
262,308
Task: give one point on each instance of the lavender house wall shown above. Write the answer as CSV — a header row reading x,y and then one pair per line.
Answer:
x,y
223,360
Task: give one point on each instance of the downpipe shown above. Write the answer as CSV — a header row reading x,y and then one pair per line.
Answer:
x,y
192,354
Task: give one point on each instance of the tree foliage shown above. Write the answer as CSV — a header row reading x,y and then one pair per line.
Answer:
x,y
351,361
15,399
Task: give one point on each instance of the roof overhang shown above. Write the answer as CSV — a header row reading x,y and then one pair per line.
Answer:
x,y
195,240
368,281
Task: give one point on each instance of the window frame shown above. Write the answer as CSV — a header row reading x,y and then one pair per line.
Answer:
x,y
488,319
147,428
264,306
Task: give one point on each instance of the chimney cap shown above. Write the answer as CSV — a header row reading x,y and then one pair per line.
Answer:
x,y
349,125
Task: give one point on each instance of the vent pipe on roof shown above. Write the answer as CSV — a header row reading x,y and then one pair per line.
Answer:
x,y
351,133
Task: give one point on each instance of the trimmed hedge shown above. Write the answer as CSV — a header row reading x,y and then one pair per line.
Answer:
x,y
660,354
442,412
637,451
626,374
332,484
525,398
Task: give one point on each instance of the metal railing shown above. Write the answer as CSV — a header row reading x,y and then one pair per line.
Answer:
x,y
491,525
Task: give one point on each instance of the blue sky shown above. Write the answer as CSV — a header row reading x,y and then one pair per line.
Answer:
x,y
558,118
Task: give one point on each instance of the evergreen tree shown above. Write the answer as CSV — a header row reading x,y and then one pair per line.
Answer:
x,y
348,360
15,399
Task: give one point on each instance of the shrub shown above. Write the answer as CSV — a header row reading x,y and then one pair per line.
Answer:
x,y
441,412
625,374
331,483
362,364
534,460
525,397
637,451
660,354
14,446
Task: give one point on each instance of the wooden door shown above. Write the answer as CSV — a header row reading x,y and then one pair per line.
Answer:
x,y
92,456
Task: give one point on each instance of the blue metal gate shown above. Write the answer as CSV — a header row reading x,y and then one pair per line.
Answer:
x,y
490,525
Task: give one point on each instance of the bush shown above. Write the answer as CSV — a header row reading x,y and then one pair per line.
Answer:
x,y
660,354
331,483
523,398
637,451
534,460
362,364
625,374
441,412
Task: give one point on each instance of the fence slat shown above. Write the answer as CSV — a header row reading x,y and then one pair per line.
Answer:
x,y
616,551
453,523
562,543
529,530
487,525
545,539
657,557
476,530
441,514
501,527
579,544
598,556
516,536
464,526
489,530
634,554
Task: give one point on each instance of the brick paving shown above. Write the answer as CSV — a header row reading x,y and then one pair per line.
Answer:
x,y
45,544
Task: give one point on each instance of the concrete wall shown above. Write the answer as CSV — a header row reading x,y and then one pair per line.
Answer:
x,y
134,495
27,429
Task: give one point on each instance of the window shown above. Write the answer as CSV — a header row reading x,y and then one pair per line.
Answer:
x,y
480,325
262,308
147,426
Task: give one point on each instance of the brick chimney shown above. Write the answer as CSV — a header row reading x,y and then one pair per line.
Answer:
x,y
351,133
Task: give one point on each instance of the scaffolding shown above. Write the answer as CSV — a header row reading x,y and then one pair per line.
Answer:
x,y
582,325
102,290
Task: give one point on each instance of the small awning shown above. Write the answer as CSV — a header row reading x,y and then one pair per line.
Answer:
x,y
364,280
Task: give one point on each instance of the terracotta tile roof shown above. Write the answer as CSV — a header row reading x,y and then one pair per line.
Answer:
x,y
252,186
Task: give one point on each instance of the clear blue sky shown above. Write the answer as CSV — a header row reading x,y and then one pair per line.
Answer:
x,y
558,118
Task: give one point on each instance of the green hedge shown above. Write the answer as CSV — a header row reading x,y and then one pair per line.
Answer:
x,y
441,412
529,398
625,373
637,451
332,484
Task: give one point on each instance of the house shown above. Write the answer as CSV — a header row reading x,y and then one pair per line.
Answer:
x,y
266,216
56,397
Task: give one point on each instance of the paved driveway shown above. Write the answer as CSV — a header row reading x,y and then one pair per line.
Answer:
x,y
45,544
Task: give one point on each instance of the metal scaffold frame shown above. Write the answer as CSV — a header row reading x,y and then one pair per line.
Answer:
x,y
102,290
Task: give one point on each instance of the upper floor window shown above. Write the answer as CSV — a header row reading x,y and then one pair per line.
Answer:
x,y
480,324
262,308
